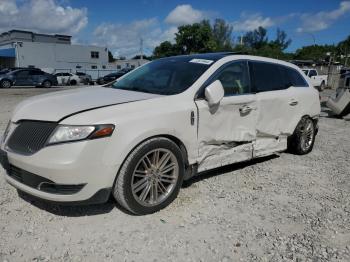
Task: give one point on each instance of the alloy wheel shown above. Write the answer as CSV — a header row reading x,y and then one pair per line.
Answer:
x,y
155,177
307,135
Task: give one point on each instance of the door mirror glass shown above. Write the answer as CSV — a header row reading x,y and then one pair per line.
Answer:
x,y
214,93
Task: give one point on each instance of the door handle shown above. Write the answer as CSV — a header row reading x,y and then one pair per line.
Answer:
x,y
293,103
245,109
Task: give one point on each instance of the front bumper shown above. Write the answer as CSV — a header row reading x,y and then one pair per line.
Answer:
x,y
72,173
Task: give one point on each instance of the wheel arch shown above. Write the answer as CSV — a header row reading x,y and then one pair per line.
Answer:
x,y
172,138
7,79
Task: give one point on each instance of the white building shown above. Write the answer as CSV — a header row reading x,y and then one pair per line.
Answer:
x,y
128,63
51,52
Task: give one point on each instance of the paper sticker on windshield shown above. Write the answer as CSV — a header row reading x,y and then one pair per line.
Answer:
x,y
202,61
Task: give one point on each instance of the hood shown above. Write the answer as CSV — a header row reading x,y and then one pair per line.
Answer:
x,y
58,105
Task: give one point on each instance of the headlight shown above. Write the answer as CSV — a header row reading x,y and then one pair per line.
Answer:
x,y
9,128
65,133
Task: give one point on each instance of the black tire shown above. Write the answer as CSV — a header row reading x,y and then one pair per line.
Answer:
x,y
47,84
73,82
5,83
123,185
322,86
297,143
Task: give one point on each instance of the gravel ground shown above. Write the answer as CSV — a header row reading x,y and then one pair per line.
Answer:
x,y
280,208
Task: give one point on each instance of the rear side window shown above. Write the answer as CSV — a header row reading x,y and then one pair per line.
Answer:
x,y
36,73
294,77
267,77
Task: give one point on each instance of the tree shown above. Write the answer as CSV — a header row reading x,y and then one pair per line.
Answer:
x,y
165,49
222,33
198,38
256,39
315,52
195,38
111,58
344,50
144,57
281,40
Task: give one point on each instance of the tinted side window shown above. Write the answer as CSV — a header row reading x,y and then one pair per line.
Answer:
x,y
347,82
295,78
312,73
23,73
36,73
267,77
234,78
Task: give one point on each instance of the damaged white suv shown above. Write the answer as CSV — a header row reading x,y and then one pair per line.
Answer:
x,y
160,124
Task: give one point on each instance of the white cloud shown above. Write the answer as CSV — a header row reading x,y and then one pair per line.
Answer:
x,y
125,38
251,22
45,16
323,20
185,14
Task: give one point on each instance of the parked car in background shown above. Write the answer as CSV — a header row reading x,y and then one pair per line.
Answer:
x,y
86,78
318,81
7,70
27,77
68,79
139,138
339,103
112,76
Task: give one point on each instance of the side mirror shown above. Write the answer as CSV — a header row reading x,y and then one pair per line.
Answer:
x,y
214,93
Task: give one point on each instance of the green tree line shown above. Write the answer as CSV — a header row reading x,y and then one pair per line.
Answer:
x,y
218,36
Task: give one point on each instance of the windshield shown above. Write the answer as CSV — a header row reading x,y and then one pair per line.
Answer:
x,y
167,76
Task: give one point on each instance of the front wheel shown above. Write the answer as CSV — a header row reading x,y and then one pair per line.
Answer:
x,y
303,138
5,84
151,177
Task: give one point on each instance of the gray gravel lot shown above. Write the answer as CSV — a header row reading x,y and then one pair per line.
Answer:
x,y
280,208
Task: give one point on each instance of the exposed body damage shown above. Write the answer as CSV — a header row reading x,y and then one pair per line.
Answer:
x,y
227,136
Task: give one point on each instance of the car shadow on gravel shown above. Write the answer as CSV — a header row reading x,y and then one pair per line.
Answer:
x,y
91,210
225,169
69,211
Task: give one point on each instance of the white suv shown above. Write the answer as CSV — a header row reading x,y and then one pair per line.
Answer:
x,y
160,124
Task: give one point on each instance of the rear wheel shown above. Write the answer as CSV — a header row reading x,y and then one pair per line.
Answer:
x,y
151,177
5,84
47,84
303,138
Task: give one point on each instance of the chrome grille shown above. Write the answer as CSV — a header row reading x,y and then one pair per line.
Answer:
x,y
30,136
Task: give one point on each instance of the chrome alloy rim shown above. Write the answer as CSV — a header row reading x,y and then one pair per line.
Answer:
x,y
155,177
307,135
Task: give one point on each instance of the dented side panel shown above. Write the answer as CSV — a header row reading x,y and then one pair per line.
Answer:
x,y
225,135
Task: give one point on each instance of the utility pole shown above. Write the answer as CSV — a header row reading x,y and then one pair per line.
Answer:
x,y
141,48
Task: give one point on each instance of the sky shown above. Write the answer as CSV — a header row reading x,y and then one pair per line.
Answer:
x,y
120,25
